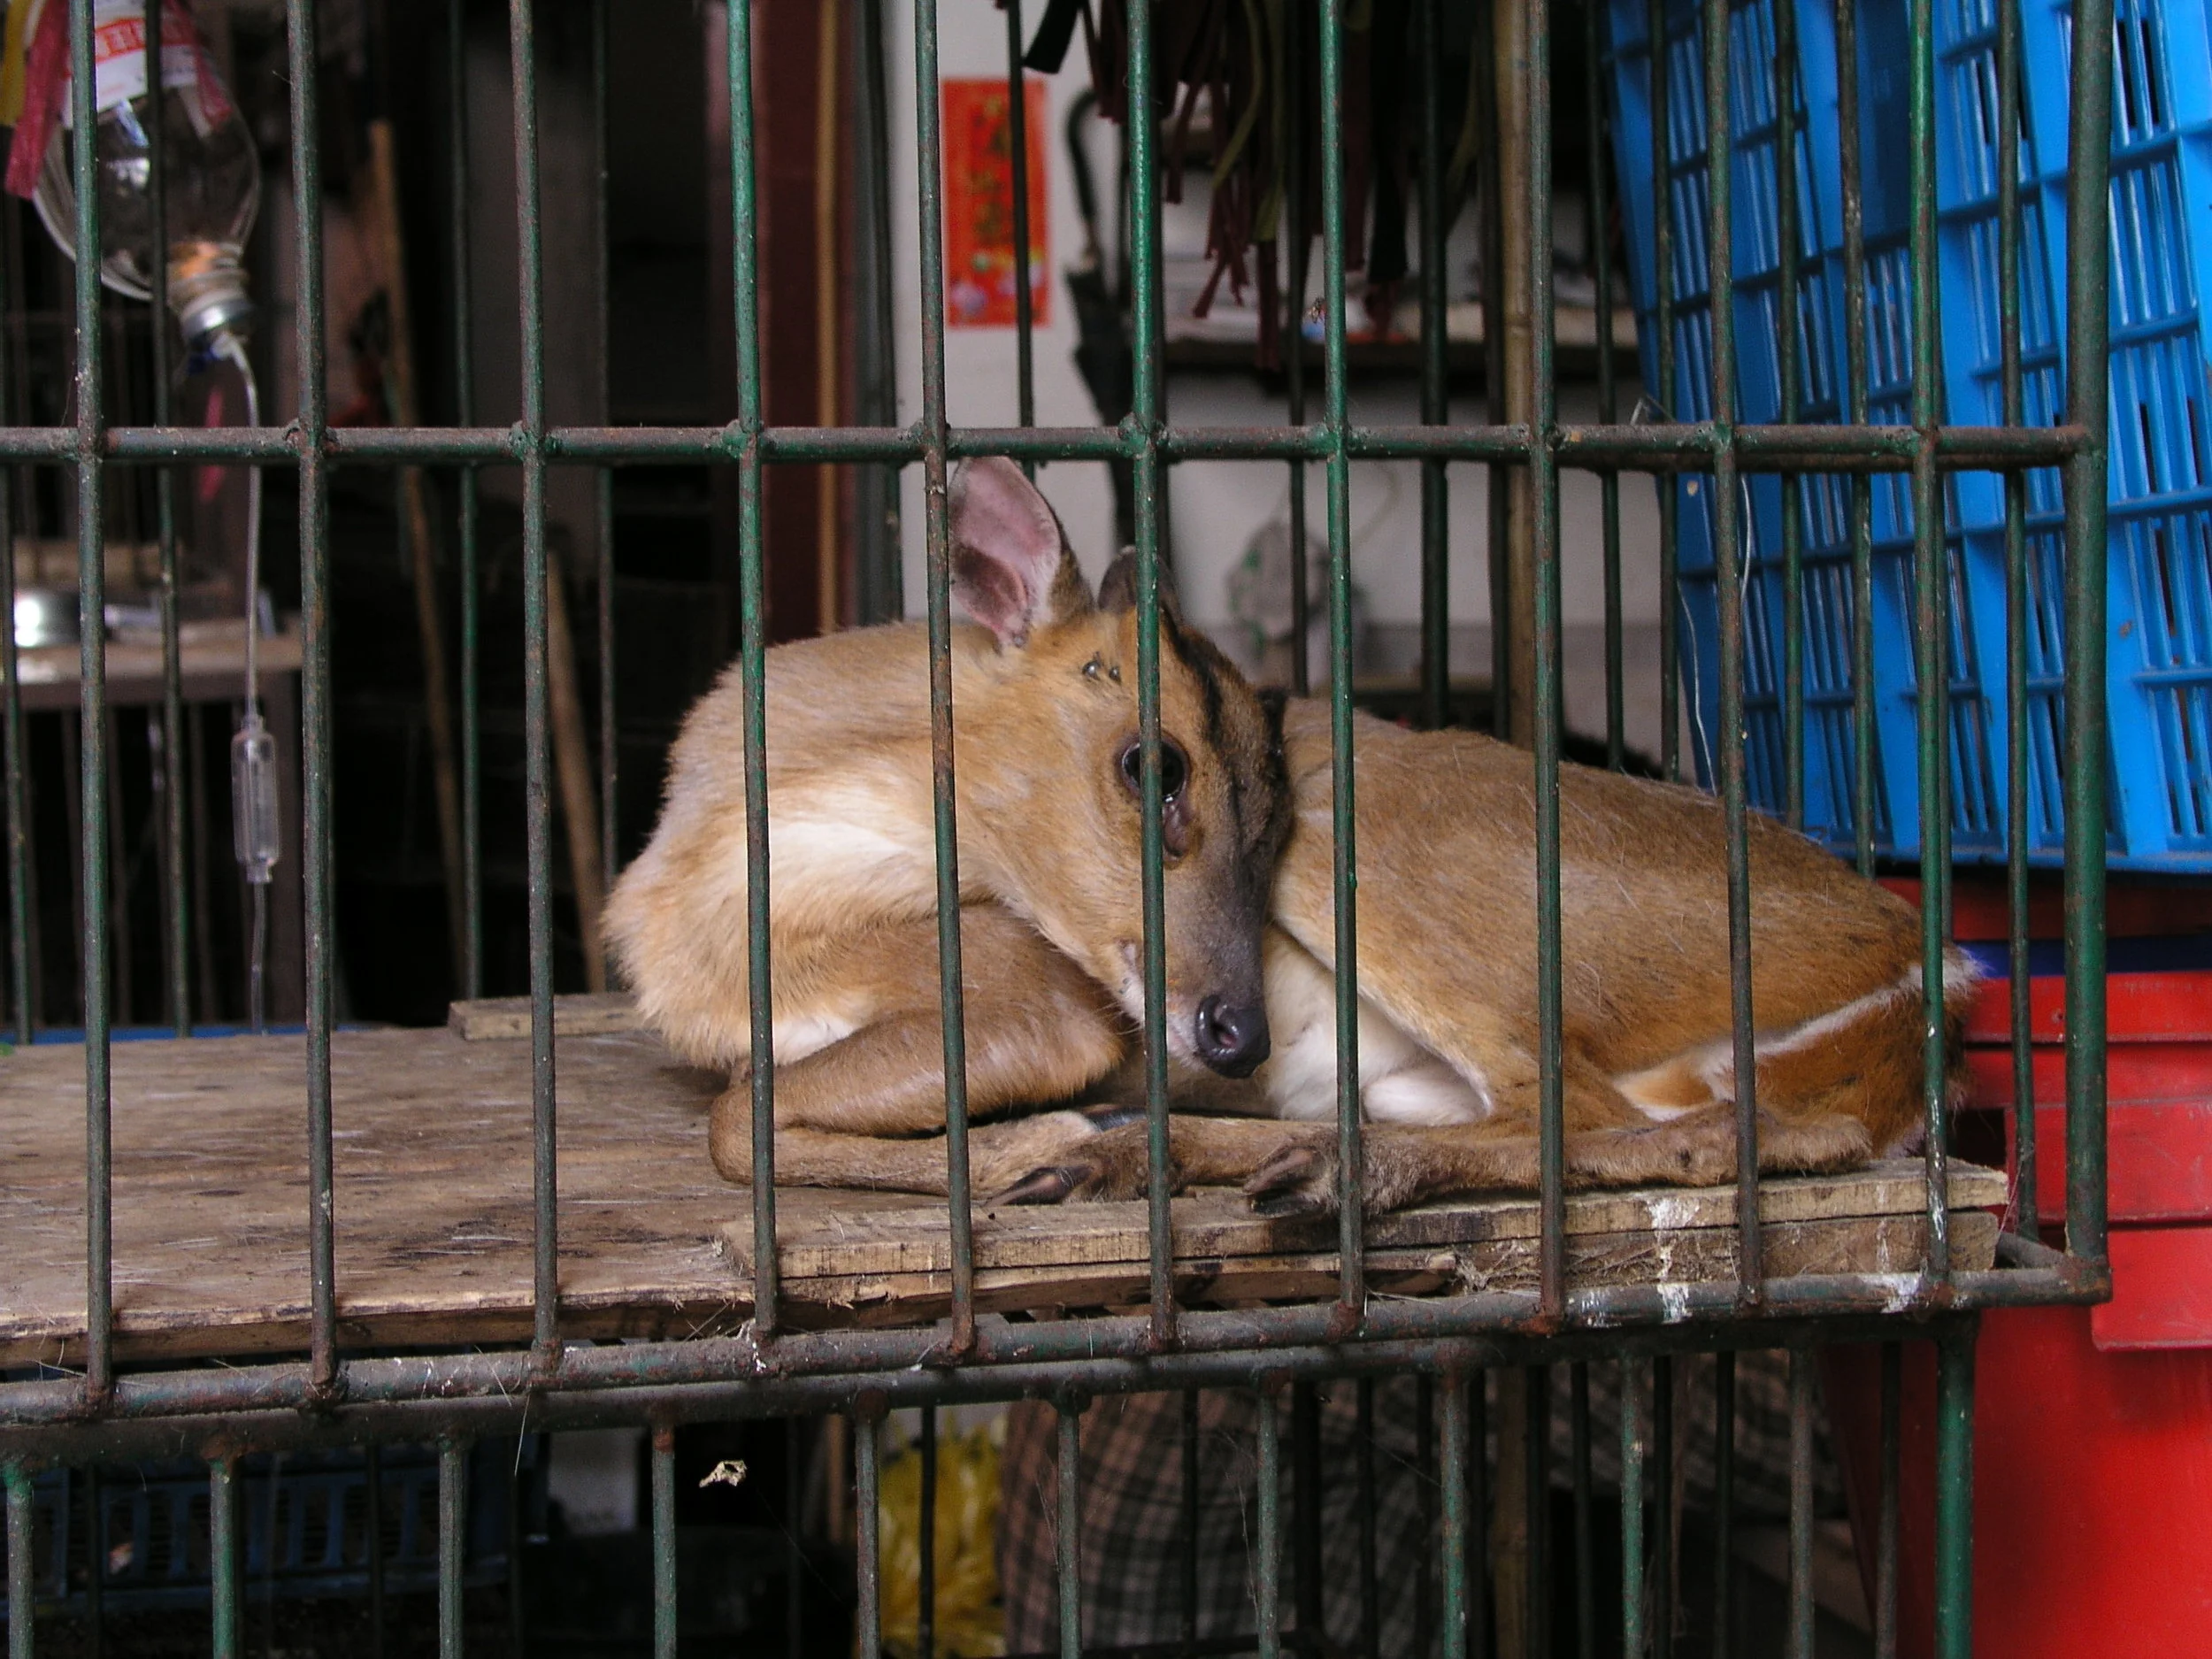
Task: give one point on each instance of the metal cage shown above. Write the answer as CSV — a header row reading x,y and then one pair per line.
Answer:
x,y
332,1397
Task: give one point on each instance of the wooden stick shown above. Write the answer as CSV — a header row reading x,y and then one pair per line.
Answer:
x,y
579,803
428,621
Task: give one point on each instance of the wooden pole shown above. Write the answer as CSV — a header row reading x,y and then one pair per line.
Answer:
x,y
428,618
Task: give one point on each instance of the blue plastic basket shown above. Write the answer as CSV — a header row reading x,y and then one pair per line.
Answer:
x,y
302,1522
2160,643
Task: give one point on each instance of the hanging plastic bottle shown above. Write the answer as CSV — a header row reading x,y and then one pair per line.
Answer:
x,y
212,188
211,175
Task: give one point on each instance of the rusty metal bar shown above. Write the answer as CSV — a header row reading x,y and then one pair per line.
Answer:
x,y
752,653
1541,400
315,687
536,680
22,1581
664,1484
1151,489
1729,526
453,1512
1336,400
935,449
1068,1527
89,391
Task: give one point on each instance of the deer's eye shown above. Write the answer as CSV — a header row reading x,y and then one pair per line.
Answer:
x,y
1174,769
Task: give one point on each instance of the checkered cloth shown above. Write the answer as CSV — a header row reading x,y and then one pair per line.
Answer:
x,y
1133,1546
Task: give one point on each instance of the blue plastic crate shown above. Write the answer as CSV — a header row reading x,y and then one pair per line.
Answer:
x,y
2159,644
312,1508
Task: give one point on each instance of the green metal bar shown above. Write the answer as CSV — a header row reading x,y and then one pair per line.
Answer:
x,y
1305,1508
1144,293
881,587
664,1541
372,1546
1728,529
1498,480
93,718
1370,1562
95,1543
1662,321
610,736
752,652
1017,140
1785,70
465,414
2026,1219
1662,1609
1536,1425
1424,1502
1684,447
868,1505
1436,621
1476,1553
794,1488
1452,1478
1068,1529
174,877
1955,1483
926,1536
223,1566
22,1577
1351,1161
1931,643
13,756
313,422
1724,1500
453,1512
1585,1535
2087,390
1268,1544
1597,103
939,530
536,712
1543,504
1855,385
1635,1447
1299,237
1186,1602
1802,1605
1885,1524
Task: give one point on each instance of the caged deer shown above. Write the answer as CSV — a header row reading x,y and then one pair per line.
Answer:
x,y
1051,926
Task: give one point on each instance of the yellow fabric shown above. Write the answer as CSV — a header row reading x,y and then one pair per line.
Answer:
x,y
22,23
970,1623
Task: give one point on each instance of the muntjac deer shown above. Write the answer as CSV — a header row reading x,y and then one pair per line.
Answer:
x,y
1051,927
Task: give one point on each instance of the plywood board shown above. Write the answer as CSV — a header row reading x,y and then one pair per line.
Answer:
x,y
432,1150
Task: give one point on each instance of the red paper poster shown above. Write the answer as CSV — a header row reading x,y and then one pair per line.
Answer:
x,y
979,204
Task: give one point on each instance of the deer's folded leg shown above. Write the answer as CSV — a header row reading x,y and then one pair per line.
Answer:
x,y
1038,1031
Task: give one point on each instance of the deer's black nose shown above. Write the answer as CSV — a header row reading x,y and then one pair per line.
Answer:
x,y
1231,1039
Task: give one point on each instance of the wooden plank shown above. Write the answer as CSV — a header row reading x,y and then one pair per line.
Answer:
x,y
824,1234
431,1145
587,1014
1891,1245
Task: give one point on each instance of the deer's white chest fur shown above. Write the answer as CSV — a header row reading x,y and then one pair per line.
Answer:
x,y
1399,1081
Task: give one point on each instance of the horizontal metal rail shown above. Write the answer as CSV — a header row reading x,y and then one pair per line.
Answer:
x,y
1685,448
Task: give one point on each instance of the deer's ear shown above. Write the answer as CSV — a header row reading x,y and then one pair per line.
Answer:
x,y
1118,589
1012,567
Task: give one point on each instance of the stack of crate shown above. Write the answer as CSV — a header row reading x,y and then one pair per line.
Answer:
x,y
2093,1481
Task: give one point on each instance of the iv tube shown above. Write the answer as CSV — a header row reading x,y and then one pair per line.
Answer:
x,y
253,773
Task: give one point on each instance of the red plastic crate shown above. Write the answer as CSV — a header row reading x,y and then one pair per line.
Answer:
x,y
2093,1490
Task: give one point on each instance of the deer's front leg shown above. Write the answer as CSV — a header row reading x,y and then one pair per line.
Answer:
x,y
848,1114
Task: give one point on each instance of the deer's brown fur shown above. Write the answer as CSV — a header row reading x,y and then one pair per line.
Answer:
x,y
1045,698
1044,695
